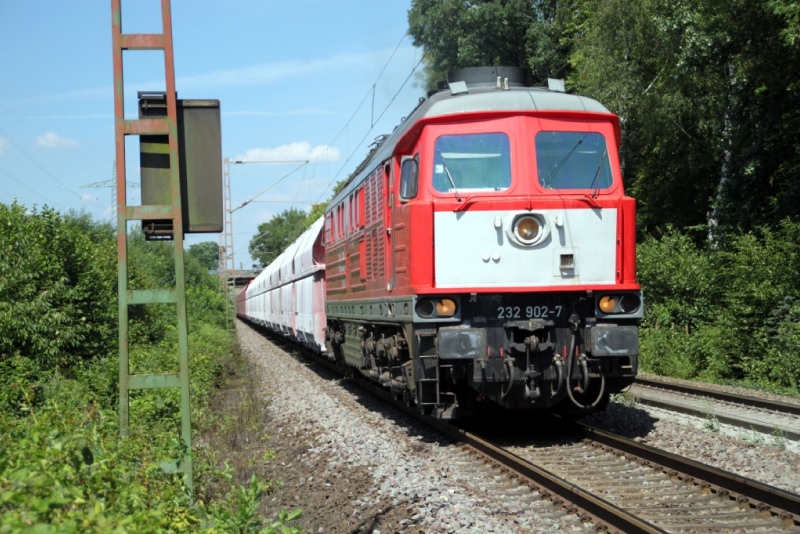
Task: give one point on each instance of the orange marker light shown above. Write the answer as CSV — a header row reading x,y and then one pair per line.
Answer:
x,y
445,307
607,304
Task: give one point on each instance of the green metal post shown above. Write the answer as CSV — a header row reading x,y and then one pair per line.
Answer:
x,y
151,126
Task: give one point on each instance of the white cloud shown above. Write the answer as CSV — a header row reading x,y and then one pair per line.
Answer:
x,y
299,151
3,143
53,140
266,73
88,198
247,76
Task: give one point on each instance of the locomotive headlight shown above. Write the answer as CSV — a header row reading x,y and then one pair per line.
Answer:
x,y
426,308
436,308
629,303
607,303
445,307
528,229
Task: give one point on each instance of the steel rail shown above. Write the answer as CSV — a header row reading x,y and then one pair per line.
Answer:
x,y
752,402
605,515
764,497
601,513
767,404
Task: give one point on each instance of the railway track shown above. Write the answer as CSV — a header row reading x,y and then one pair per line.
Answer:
x,y
619,485
762,415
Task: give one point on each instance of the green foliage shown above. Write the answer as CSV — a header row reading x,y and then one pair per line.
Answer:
x,y
711,423
458,33
728,312
63,467
207,254
239,514
276,234
57,286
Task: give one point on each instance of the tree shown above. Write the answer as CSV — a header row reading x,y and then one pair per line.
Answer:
x,y
708,92
707,95
57,286
207,253
463,33
276,234
317,211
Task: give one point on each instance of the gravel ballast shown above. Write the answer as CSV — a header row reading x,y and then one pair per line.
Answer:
x,y
354,464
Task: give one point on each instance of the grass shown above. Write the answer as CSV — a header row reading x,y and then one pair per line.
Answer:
x,y
235,445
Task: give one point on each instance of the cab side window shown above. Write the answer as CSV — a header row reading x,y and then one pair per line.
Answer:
x,y
409,178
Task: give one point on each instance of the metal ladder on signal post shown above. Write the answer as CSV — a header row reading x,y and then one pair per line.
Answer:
x,y
168,126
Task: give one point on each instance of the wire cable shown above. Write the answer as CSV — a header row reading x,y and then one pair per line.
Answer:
x,y
421,59
279,180
22,185
36,163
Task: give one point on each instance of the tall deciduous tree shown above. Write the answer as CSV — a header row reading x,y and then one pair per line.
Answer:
x,y
207,253
276,234
468,33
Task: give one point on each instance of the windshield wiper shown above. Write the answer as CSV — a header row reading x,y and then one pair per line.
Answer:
x,y
548,182
449,177
597,173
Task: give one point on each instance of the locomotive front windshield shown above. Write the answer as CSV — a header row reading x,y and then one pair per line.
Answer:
x,y
572,160
472,162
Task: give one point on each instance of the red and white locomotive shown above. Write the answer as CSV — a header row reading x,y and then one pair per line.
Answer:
x,y
485,251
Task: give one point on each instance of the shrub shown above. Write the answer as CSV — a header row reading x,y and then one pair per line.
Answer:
x,y
57,287
723,312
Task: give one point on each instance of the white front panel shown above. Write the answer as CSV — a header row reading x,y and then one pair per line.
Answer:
x,y
473,249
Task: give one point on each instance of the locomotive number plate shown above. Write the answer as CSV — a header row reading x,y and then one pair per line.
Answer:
x,y
529,312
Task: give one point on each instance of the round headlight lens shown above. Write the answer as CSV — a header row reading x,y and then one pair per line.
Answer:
x,y
445,307
425,308
527,229
629,303
607,303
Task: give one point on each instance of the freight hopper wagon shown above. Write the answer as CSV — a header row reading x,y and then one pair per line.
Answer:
x,y
288,296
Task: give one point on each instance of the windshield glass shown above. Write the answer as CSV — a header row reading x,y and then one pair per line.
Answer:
x,y
572,160
474,161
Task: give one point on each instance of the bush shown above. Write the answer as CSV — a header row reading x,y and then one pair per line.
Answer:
x,y
63,467
723,312
57,287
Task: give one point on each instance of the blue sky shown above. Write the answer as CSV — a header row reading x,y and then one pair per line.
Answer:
x,y
290,77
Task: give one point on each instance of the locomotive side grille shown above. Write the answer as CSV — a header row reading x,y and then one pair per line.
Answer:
x,y
379,254
370,201
373,207
375,255
374,198
370,256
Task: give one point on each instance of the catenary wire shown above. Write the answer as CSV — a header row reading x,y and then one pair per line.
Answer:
x,y
421,59
32,159
22,185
